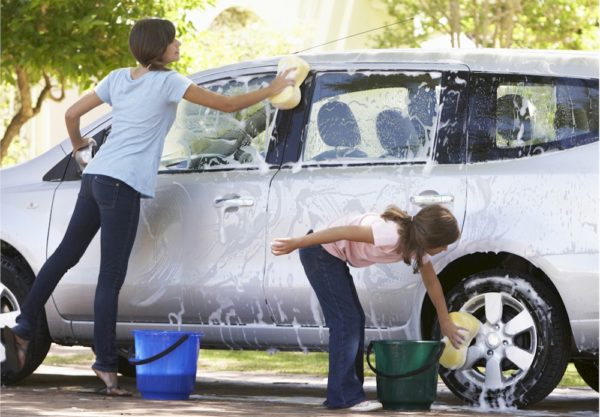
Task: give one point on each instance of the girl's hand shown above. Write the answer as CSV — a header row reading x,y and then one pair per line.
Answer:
x,y
455,334
283,246
85,142
280,82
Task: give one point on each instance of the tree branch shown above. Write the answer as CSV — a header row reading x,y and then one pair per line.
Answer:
x,y
43,95
62,88
26,110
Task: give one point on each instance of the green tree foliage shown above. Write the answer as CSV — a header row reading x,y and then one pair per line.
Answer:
x,y
51,45
536,24
235,35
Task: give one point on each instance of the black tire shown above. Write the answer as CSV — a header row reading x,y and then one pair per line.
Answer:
x,y
588,371
16,283
513,361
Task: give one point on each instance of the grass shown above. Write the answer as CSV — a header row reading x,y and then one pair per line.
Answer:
x,y
313,363
571,378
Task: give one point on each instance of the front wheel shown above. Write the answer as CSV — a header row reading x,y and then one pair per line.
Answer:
x,y
522,349
16,282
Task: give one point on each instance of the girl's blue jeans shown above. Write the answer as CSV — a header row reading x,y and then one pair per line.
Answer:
x,y
114,207
330,278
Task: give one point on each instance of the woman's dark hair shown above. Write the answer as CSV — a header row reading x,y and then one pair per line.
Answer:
x,y
432,227
148,42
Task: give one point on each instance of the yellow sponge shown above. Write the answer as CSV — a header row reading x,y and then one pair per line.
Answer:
x,y
455,358
290,96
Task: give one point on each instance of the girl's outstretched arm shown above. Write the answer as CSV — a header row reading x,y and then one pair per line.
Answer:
x,y
282,246
436,294
207,98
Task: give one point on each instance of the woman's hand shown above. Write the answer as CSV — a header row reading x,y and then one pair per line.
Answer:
x,y
283,246
454,333
281,82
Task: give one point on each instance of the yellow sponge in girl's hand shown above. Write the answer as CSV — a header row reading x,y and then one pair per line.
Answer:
x,y
453,358
290,96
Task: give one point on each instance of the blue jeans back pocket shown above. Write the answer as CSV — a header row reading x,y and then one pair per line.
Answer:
x,y
106,191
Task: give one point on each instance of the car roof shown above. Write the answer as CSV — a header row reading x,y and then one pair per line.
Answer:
x,y
580,64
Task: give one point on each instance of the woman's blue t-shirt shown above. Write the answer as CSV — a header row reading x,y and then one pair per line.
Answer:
x,y
143,111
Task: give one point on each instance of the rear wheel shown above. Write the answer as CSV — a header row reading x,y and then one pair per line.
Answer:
x,y
16,283
522,349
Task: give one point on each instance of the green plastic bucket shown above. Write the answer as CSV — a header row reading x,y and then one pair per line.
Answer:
x,y
406,372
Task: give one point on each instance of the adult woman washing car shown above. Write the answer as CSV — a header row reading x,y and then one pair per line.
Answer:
x,y
144,101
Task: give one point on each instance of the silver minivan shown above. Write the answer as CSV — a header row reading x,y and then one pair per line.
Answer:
x,y
507,139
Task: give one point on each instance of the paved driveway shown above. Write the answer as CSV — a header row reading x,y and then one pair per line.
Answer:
x,y
67,391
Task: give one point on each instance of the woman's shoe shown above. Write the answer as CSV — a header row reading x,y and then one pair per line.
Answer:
x,y
111,387
15,348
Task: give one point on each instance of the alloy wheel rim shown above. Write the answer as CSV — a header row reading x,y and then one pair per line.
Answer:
x,y
9,310
504,349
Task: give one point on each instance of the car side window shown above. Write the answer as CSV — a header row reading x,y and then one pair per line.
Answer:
x,y
67,169
516,116
202,138
381,115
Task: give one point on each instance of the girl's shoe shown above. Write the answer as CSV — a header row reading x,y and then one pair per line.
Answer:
x,y
366,406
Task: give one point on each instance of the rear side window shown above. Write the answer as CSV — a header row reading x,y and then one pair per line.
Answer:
x,y
67,169
202,138
517,116
377,115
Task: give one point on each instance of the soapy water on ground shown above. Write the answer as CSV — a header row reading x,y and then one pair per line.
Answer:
x,y
444,405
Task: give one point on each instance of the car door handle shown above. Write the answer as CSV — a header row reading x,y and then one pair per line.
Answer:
x,y
237,201
428,199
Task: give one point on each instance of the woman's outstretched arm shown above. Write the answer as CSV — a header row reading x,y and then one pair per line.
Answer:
x,y
207,98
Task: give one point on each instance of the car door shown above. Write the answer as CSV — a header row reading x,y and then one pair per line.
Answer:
x,y
199,253
372,138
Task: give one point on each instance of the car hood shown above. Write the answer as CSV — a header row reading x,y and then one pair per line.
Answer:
x,y
31,171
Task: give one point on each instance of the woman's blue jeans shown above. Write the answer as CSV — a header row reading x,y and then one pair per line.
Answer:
x,y
114,207
330,278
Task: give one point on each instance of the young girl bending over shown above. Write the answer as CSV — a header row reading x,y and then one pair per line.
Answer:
x,y
360,241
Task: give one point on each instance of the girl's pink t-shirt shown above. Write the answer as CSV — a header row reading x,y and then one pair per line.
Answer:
x,y
360,254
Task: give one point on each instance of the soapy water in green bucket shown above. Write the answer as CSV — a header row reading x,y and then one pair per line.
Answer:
x,y
406,372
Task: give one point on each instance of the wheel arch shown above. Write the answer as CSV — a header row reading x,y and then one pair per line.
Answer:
x,y
13,254
481,261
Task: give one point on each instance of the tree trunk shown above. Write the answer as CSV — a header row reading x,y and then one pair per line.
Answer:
x,y
483,26
455,23
26,110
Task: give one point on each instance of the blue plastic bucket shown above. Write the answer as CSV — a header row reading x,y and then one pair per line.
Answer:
x,y
166,363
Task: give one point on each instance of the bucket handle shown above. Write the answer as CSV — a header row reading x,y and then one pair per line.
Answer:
x,y
417,371
162,354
